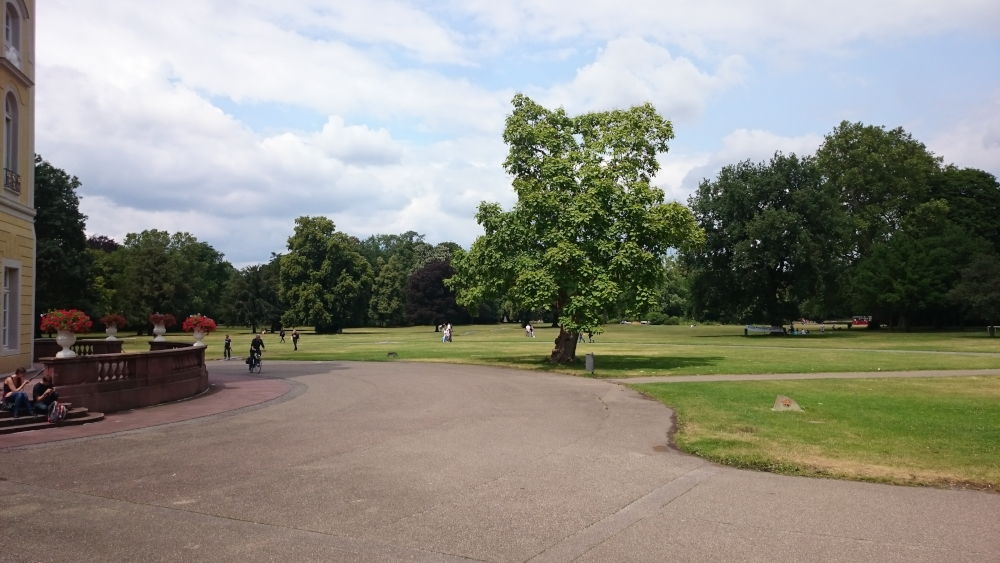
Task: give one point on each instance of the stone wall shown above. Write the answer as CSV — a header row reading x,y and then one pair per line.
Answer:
x,y
114,382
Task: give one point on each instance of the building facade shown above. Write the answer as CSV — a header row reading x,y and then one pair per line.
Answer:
x,y
17,197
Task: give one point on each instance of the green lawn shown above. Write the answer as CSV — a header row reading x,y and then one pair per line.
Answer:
x,y
634,350
942,432
927,431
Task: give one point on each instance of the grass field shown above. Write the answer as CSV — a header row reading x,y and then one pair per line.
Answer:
x,y
639,350
929,431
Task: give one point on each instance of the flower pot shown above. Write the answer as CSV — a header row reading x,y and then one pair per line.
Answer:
x,y
159,329
198,336
65,338
112,332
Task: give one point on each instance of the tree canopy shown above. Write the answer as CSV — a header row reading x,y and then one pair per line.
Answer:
x,y
63,264
775,242
588,227
325,280
872,225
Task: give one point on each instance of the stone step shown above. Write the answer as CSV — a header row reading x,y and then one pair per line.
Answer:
x,y
8,414
80,415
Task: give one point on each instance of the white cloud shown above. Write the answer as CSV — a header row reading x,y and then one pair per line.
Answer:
x,y
632,71
973,142
682,173
407,100
772,25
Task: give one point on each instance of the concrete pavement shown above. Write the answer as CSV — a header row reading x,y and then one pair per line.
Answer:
x,y
340,461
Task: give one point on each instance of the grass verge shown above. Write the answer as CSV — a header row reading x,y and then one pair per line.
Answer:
x,y
941,432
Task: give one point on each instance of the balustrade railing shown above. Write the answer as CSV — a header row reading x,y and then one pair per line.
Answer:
x,y
47,347
116,369
113,382
12,181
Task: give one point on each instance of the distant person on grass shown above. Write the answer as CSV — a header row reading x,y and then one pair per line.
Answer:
x,y
282,335
227,348
295,338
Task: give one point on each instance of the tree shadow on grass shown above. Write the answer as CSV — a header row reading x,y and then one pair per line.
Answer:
x,y
611,366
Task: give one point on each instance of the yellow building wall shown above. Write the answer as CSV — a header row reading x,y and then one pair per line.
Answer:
x,y
17,250
17,213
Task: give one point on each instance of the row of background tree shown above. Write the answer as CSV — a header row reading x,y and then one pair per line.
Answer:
x,y
327,279
873,224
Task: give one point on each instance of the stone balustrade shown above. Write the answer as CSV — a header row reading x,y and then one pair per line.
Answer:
x,y
47,347
114,382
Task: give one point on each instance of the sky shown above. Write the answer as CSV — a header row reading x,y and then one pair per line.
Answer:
x,y
228,119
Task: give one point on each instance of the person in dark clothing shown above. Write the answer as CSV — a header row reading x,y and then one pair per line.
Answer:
x,y
14,396
43,395
256,349
227,348
295,338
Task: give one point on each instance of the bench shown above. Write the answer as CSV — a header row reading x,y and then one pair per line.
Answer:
x,y
765,329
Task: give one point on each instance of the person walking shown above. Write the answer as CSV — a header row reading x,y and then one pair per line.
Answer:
x,y
227,348
282,335
295,338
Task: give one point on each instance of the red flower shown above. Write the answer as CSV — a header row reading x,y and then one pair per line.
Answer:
x,y
113,319
72,320
199,323
165,319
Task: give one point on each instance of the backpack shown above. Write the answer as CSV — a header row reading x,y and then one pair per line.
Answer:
x,y
57,413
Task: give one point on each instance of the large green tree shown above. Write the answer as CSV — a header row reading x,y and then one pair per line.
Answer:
x,y
879,175
776,243
910,276
155,271
973,198
387,302
978,292
409,248
587,228
63,264
428,299
251,297
325,280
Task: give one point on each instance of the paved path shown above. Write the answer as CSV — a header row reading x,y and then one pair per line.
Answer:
x,y
424,462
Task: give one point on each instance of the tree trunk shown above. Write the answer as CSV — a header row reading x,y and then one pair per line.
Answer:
x,y
565,350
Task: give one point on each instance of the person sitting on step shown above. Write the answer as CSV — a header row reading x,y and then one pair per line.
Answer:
x,y
43,395
14,397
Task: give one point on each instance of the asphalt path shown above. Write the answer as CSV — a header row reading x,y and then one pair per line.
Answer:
x,y
396,461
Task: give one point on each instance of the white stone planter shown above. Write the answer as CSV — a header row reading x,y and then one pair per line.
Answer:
x,y
65,338
198,336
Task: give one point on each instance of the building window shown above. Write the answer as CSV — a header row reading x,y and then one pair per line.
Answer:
x,y
9,315
11,179
12,35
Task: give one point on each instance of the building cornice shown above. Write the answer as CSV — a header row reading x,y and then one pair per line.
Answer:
x,y
16,71
16,209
